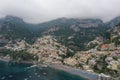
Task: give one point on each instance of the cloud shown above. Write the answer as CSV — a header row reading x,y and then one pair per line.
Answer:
x,y
36,11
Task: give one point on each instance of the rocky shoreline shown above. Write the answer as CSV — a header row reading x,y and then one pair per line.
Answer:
x,y
5,59
9,60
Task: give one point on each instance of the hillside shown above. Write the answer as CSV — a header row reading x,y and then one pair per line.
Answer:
x,y
113,22
74,33
86,44
13,28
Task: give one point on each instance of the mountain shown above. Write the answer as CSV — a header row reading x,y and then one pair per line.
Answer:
x,y
113,22
78,43
75,33
83,23
15,28
114,35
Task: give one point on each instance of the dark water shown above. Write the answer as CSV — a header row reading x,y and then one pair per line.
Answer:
x,y
10,71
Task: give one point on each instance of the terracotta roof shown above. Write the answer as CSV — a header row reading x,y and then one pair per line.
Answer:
x,y
105,46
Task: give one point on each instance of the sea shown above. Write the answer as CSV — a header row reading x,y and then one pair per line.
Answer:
x,y
20,71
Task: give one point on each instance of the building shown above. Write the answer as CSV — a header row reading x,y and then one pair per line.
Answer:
x,y
103,77
110,47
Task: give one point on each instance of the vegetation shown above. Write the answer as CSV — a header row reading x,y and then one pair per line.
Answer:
x,y
23,55
103,65
19,55
16,30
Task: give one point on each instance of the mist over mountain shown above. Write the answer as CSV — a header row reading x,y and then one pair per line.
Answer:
x,y
38,11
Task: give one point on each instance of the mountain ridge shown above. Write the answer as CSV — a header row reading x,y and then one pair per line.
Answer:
x,y
72,32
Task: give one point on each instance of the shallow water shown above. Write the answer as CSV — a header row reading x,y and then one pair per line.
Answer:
x,y
11,71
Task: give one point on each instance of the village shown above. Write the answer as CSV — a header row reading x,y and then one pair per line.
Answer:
x,y
50,51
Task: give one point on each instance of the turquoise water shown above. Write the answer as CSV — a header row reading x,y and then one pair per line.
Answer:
x,y
10,71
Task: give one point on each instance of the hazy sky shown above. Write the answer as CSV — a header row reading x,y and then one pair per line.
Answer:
x,y
37,11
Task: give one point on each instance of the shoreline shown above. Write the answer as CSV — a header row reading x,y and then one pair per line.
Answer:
x,y
70,70
74,71
4,59
24,62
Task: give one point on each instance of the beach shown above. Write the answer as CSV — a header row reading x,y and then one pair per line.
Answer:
x,y
74,71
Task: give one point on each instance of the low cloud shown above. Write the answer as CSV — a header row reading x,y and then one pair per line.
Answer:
x,y
37,11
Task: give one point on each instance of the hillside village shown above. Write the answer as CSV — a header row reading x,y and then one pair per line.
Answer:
x,y
49,51
94,49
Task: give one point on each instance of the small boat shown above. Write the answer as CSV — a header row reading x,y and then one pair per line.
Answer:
x,y
32,66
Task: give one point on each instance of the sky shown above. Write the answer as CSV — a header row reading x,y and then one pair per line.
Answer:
x,y
38,11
